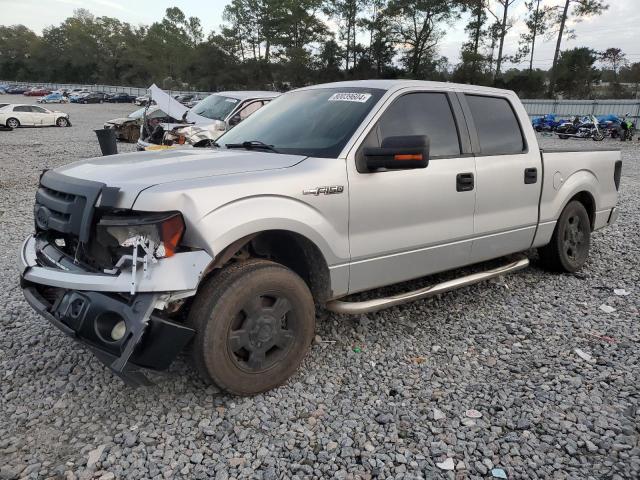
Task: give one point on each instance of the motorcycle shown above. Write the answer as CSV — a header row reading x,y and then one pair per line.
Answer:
x,y
627,128
587,127
546,123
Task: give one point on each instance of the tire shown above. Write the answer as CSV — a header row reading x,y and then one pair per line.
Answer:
x,y
12,122
62,122
569,247
598,137
562,136
237,314
101,101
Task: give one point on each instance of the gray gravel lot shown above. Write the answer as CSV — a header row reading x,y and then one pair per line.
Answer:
x,y
364,403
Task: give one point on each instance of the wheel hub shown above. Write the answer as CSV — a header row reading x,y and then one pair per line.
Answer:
x,y
262,336
573,237
263,330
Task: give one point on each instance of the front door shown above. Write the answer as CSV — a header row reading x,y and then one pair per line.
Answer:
x,y
24,115
405,224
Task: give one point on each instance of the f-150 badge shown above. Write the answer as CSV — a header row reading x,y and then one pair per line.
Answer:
x,y
330,190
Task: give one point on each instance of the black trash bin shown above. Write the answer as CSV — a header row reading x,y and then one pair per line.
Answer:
x,y
107,140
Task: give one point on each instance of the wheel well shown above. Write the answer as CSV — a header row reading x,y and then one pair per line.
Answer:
x,y
290,249
589,203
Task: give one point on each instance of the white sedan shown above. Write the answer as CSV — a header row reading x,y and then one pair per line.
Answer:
x,y
14,116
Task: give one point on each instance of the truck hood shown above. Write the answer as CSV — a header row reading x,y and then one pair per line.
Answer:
x,y
133,172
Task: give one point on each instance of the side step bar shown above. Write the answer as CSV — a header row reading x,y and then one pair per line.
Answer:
x,y
368,306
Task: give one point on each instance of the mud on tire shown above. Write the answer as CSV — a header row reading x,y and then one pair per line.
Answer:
x,y
254,323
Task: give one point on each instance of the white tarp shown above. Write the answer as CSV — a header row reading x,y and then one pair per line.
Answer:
x,y
167,103
174,108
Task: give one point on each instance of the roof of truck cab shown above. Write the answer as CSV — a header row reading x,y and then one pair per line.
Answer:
x,y
244,94
397,84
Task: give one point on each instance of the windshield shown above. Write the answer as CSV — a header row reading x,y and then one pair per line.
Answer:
x,y
215,107
316,122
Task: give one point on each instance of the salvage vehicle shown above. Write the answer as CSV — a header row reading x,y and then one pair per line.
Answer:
x,y
93,97
53,98
121,98
37,92
17,115
327,191
142,100
205,122
18,90
127,129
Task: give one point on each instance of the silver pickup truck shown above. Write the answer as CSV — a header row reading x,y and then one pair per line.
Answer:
x,y
329,190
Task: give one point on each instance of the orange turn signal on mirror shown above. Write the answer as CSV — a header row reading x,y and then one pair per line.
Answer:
x,y
416,156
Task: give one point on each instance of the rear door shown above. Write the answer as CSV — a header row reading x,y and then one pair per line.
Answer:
x,y
508,175
406,224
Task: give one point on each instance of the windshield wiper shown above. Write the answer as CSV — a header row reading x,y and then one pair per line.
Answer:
x,y
252,145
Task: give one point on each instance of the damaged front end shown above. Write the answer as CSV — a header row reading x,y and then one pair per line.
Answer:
x,y
113,279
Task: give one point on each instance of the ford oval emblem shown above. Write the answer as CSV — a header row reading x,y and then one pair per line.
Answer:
x,y
42,217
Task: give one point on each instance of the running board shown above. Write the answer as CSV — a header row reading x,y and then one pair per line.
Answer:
x,y
368,306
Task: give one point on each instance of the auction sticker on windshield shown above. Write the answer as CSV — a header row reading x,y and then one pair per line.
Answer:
x,y
350,97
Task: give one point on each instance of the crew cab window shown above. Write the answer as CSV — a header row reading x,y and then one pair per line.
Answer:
x,y
423,114
498,129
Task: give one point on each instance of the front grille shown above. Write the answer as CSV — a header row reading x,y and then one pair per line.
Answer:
x,y
66,204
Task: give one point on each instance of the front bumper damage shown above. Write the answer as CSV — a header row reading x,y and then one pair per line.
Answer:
x,y
87,305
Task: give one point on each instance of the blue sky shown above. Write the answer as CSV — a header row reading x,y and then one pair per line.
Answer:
x,y
618,27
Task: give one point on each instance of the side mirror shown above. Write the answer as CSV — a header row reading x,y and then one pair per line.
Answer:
x,y
397,153
235,120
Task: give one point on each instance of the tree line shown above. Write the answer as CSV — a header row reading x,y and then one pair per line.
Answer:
x,y
283,44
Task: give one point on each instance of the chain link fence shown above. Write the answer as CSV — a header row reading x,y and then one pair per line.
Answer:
x,y
569,108
137,91
535,108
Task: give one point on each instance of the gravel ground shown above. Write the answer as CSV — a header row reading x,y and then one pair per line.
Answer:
x,y
382,395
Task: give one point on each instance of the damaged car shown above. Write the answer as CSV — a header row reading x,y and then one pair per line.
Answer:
x,y
205,122
127,129
14,116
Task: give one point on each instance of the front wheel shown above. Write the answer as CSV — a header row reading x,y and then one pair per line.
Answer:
x,y
570,242
62,122
254,323
598,137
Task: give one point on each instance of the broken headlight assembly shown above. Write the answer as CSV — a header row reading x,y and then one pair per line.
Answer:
x,y
157,233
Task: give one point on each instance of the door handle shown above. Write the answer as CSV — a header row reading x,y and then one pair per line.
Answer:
x,y
530,175
464,182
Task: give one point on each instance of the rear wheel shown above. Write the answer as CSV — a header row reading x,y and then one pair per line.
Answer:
x,y
571,240
13,123
254,324
62,122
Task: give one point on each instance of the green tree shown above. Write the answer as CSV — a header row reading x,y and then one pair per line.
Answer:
x,y
17,44
537,25
345,12
560,15
504,25
576,73
418,27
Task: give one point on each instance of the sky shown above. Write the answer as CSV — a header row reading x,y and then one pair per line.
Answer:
x,y
617,27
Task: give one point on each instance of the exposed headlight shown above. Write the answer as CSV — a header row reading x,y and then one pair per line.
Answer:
x,y
165,230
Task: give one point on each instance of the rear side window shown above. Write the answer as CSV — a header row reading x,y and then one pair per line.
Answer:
x,y
498,129
423,114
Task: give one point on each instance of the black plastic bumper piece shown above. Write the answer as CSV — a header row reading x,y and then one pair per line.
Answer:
x,y
149,342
